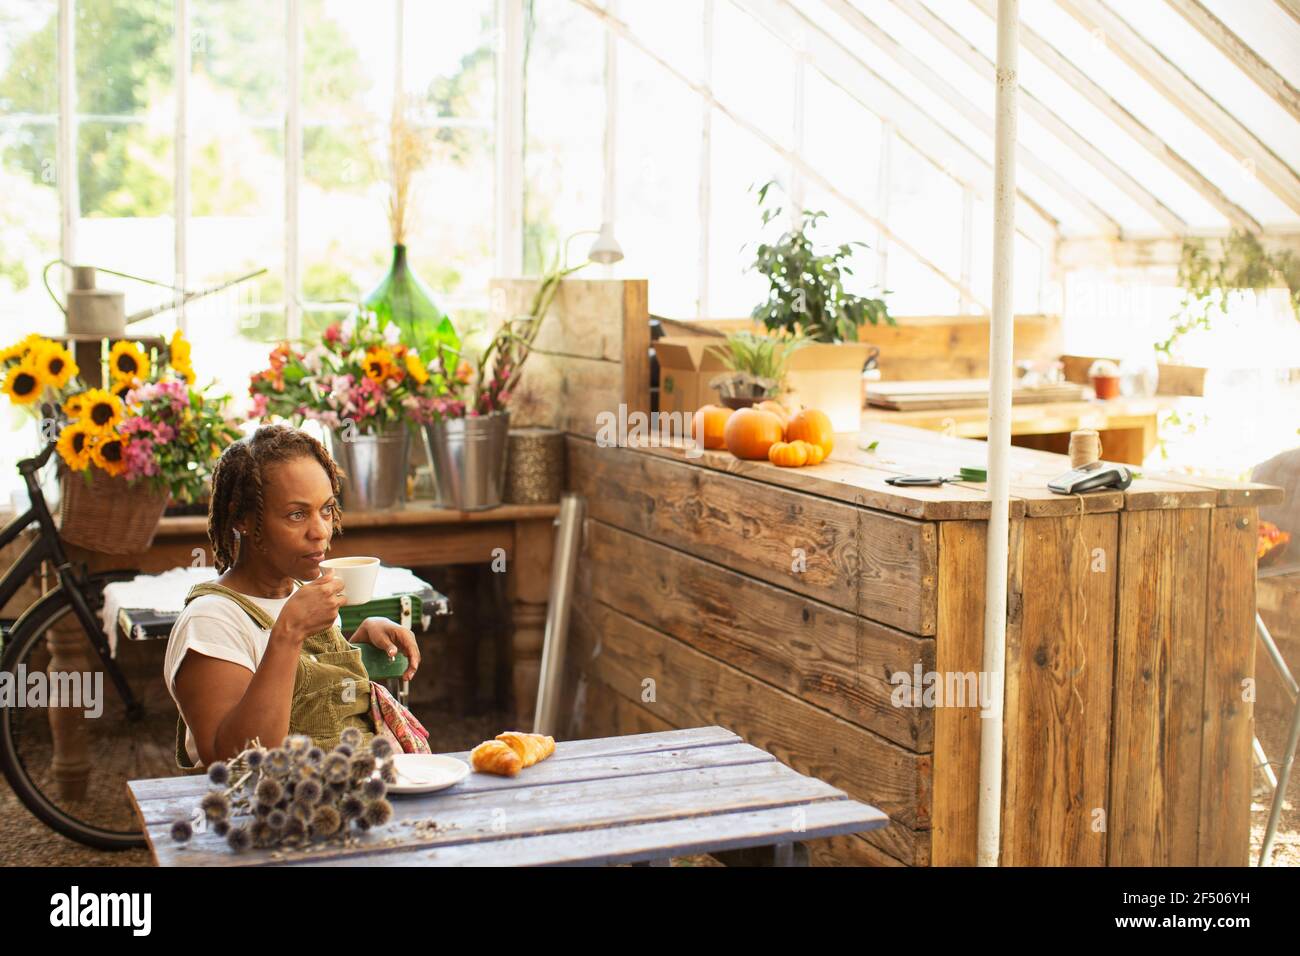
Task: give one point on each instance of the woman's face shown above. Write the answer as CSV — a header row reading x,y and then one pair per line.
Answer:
x,y
297,518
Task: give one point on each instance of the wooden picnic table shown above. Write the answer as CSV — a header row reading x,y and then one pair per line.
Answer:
x,y
640,798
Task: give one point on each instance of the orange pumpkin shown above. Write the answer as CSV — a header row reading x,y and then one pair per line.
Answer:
x,y
788,454
750,432
811,426
777,409
709,425
816,453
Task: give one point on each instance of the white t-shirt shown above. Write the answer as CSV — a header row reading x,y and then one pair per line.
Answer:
x,y
215,625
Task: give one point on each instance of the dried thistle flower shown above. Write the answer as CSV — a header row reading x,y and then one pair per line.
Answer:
x,y
277,819
254,758
277,761
239,838
219,773
297,744
314,755
351,806
388,773
335,768
301,811
344,749
381,747
215,805
374,788
350,736
378,812
294,829
262,833
326,821
363,765
263,809
309,791
220,827
362,824
182,830
269,790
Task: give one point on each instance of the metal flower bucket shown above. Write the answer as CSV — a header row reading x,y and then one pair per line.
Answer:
x,y
374,467
468,459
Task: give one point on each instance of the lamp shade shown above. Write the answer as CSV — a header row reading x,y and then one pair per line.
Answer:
x,y
605,249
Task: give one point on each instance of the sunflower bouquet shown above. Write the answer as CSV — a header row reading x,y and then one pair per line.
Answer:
x,y
359,373
150,423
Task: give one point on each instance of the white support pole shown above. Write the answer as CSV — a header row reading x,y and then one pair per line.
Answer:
x,y
65,157
509,238
181,150
706,160
967,244
399,52
989,833
607,209
292,167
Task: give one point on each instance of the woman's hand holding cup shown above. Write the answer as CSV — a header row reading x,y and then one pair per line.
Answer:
x,y
312,608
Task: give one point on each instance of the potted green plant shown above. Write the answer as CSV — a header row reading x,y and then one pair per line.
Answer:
x,y
756,367
806,294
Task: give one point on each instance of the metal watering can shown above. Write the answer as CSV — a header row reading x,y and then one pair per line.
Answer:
x,y
95,311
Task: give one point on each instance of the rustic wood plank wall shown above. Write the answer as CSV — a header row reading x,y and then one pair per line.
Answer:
x,y
591,353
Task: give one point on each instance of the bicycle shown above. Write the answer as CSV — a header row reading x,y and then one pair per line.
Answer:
x,y
68,766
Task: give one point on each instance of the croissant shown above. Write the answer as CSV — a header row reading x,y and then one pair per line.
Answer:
x,y
492,756
530,747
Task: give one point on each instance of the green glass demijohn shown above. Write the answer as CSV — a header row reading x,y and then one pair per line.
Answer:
x,y
403,298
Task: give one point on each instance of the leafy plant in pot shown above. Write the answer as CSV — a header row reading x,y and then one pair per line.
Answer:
x,y
757,367
806,294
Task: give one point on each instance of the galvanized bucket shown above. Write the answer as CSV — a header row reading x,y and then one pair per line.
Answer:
x,y
374,467
468,458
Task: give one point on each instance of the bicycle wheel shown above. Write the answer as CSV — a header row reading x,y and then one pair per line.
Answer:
x,y
68,745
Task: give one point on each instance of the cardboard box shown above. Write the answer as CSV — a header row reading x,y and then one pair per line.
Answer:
x,y
820,375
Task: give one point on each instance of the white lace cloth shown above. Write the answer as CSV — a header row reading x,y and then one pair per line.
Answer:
x,y
165,593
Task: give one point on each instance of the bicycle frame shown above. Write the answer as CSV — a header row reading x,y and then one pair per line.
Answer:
x,y
48,546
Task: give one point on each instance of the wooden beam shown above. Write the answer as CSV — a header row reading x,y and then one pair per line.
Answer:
x,y
614,23
977,61
878,95
980,119
1150,253
1292,7
1201,108
1239,52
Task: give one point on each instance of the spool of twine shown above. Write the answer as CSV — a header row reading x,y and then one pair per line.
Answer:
x,y
1085,447
534,466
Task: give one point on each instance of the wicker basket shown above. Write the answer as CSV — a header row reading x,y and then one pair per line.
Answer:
x,y
108,515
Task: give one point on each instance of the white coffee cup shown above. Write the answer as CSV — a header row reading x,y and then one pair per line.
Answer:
x,y
357,574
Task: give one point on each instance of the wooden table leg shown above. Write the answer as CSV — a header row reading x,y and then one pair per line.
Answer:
x,y
529,569
70,761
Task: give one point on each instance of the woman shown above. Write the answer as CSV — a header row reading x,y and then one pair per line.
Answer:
x,y
259,653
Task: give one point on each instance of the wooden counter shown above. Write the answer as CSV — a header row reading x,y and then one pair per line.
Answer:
x,y
784,604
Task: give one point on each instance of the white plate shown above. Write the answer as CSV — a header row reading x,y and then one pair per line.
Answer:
x,y
424,773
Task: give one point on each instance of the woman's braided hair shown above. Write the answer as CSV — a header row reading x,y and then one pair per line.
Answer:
x,y
237,484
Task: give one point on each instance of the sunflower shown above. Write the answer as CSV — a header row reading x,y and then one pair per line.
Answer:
x,y
179,356
185,370
20,349
74,445
101,410
121,387
416,370
56,363
127,360
25,382
378,364
75,406
109,453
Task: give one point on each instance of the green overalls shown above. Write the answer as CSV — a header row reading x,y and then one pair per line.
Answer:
x,y
330,690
